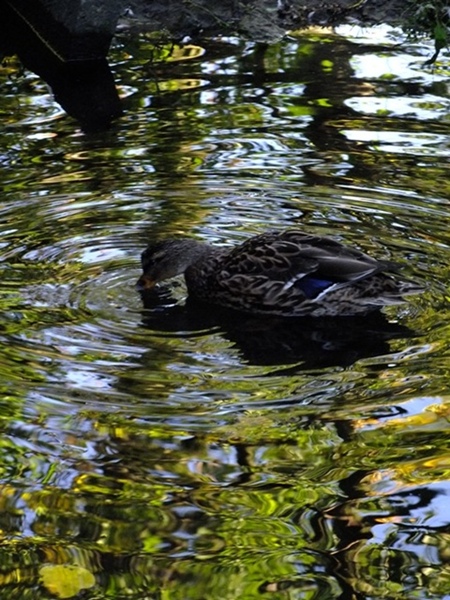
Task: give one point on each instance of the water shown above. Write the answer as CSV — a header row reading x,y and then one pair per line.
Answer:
x,y
163,453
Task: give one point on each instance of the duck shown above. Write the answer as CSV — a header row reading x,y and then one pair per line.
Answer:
x,y
288,273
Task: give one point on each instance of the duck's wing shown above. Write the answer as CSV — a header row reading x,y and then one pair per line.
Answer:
x,y
285,273
296,274
291,256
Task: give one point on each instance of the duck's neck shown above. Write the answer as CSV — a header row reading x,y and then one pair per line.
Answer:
x,y
187,253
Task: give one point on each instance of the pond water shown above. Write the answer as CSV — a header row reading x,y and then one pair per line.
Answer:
x,y
161,452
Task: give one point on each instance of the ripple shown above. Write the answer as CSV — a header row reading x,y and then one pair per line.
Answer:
x,y
112,292
110,395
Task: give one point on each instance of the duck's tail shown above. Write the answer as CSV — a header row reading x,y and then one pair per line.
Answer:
x,y
396,292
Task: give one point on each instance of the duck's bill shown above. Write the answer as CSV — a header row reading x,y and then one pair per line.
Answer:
x,y
144,283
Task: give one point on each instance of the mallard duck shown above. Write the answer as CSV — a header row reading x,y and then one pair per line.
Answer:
x,y
287,273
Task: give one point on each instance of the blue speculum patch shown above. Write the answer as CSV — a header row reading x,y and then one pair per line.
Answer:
x,y
312,287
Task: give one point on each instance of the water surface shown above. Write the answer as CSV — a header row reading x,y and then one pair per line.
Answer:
x,y
165,452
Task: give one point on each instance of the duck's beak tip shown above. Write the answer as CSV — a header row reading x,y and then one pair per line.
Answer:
x,y
145,283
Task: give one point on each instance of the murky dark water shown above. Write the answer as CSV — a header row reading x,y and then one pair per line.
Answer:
x,y
167,453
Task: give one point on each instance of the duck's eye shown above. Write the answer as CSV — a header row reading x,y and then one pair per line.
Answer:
x,y
150,258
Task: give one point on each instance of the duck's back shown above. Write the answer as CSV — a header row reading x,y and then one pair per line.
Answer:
x,y
292,273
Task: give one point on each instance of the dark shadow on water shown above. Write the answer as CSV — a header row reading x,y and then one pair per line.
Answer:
x,y
85,89
312,342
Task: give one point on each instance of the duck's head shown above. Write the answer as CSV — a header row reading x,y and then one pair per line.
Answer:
x,y
167,259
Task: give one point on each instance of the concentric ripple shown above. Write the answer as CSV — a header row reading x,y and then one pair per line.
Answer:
x,y
150,443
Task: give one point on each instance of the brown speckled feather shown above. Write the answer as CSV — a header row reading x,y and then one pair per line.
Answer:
x,y
288,273
290,253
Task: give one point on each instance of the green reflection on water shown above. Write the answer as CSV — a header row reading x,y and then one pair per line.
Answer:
x,y
182,456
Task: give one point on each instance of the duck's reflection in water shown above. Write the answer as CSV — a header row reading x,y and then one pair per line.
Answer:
x,y
307,343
